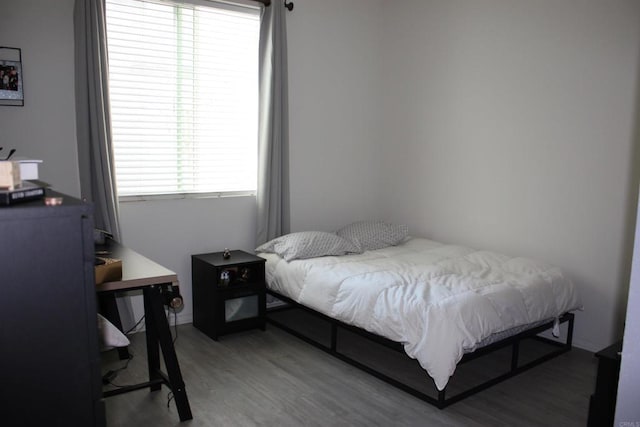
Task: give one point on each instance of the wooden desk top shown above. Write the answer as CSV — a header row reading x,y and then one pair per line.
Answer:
x,y
137,271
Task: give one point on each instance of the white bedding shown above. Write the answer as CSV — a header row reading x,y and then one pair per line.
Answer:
x,y
438,300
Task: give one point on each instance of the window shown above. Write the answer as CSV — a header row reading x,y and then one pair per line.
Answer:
x,y
183,85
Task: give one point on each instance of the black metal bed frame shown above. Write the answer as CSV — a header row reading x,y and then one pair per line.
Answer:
x,y
442,401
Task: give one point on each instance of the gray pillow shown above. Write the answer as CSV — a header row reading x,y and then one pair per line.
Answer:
x,y
371,235
308,244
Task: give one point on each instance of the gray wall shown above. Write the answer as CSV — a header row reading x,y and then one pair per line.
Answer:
x,y
505,124
45,128
510,125
335,83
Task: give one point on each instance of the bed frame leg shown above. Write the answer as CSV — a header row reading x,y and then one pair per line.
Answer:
x,y
515,353
442,400
334,337
569,343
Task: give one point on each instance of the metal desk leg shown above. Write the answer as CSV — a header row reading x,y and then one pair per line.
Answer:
x,y
153,351
156,322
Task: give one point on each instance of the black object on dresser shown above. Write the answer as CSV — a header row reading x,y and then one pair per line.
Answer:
x,y
228,292
602,405
50,374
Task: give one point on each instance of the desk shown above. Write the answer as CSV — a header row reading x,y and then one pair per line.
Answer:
x,y
139,272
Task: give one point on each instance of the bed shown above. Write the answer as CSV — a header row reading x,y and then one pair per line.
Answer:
x,y
440,303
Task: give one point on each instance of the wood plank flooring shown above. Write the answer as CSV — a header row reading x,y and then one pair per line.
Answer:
x,y
271,378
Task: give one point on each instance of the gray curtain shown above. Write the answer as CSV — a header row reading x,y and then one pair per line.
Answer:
x,y
273,138
93,125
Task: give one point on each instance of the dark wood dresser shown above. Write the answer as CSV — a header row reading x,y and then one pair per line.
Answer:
x,y
50,360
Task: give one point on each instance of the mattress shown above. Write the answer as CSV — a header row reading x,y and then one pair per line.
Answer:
x,y
438,300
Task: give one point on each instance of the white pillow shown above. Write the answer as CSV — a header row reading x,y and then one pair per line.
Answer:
x,y
110,336
371,235
308,244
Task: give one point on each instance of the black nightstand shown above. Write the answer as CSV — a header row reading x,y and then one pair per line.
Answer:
x,y
228,294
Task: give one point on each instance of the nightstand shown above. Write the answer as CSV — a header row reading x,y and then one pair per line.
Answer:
x,y
228,294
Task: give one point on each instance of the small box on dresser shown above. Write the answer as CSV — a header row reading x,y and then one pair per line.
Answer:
x,y
228,293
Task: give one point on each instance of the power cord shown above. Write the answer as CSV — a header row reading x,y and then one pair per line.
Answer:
x,y
135,326
175,323
170,397
111,375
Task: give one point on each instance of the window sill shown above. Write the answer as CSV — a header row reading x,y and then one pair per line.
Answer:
x,y
176,196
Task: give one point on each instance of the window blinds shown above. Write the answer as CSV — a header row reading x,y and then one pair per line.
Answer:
x,y
183,83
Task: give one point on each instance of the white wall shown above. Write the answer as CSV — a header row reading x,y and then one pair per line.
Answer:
x,y
45,128
335,88
510,126
504,124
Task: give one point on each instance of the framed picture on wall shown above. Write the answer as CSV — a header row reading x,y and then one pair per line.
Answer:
x,y
11,81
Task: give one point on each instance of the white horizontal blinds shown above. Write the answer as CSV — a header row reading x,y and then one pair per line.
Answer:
x,y
183,82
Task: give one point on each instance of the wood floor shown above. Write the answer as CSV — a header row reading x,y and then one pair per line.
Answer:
x,y
271,378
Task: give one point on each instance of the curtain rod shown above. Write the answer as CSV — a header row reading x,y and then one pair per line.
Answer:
x,y
288,5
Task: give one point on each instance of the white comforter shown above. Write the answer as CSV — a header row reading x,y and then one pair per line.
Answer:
x,y
438,300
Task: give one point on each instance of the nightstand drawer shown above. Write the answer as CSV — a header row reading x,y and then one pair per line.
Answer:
x,y
241,308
